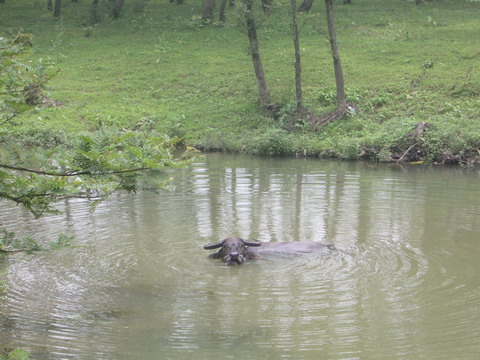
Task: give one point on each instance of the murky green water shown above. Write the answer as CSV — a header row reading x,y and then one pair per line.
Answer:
x,y
403,284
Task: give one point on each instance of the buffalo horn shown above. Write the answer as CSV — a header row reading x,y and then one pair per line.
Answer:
x,y
213,246
252,243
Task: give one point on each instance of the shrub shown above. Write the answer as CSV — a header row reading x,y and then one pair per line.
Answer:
x,y
274,142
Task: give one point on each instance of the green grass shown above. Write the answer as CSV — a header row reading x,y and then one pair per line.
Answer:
x,y
158,68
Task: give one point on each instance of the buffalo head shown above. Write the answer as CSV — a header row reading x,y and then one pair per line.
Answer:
x,y
233,250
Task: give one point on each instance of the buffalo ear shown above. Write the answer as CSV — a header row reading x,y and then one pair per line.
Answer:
x,y
252,243
213,246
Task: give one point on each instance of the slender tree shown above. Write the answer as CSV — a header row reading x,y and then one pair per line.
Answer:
x,y
298,66
94,17
337,65
117,8
58,8
305,6
221,12
49,5
255,53
208,7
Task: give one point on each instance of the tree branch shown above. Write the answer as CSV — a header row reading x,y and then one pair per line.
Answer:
x,y
406,152
4,251
39,85
8,119
73,172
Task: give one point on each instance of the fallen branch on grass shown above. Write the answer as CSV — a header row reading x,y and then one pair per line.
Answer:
x,y
348,107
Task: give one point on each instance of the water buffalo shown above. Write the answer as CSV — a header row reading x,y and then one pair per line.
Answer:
x,y
236,251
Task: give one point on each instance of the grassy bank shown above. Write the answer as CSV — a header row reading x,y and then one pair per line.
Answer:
x,y
159,68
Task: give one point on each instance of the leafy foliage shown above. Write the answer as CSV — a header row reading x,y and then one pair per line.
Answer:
x,y
274,142
10,243
64,240
20,84
15,354
92,166
97,165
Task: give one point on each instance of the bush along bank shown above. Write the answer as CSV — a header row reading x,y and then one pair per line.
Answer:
x,y
376,132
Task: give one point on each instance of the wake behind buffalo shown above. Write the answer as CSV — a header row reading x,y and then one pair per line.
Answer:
x,y
236,251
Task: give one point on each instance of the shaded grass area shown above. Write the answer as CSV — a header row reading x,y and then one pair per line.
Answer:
x,y
159,68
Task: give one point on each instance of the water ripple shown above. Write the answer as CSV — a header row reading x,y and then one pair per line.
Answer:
x,y
401,284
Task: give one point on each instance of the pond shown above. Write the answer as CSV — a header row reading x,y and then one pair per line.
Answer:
x,y
402,282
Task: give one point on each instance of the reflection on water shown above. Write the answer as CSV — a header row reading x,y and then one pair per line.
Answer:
x,y
403,283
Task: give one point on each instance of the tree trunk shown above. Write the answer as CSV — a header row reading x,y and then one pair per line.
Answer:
x,y
2,1
49,5
208,7
306,6
58,8
94,18
298,65
221,12
335,54
418,2
347,1
255,53
117,8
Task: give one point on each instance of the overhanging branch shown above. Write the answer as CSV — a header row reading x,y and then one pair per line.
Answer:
x,y
73,172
